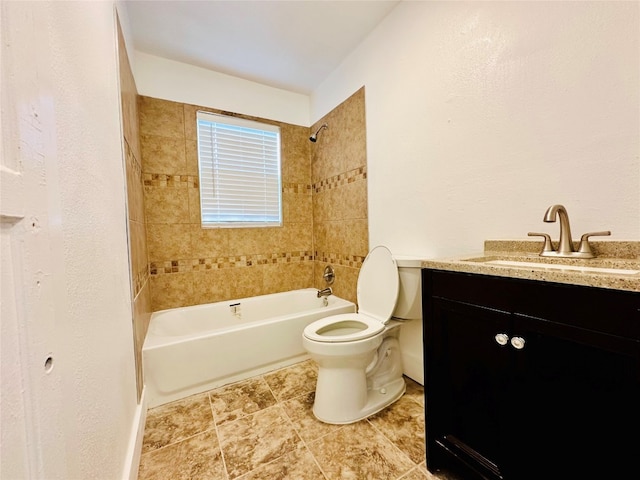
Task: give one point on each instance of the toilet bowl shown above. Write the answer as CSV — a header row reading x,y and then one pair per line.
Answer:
x,y
358,354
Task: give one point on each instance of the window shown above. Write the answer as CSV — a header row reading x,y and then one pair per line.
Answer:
x,y
239,163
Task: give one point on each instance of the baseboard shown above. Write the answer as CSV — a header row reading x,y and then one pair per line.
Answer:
x,y
413,367
132,461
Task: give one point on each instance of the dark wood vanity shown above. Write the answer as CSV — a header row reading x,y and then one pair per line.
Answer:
x,y
529,379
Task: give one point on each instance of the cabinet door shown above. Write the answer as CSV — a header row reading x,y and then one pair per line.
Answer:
x,y
573,403
466,376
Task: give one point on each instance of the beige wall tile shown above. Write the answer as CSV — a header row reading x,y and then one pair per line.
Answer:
x,y
166,204
163,155
342,146
340,210
354,236
282,277
171,290
296,163
248,241
211,286
161,117
135,201
141,316
193,193
128,97
295,237
138,241
209,242
135,207
168,241
191,152
321,212
336,216
345,284
246,281
353,198
297,207
347,237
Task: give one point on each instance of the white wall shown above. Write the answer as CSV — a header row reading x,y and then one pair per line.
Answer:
x,y
170,80
67,246
480,115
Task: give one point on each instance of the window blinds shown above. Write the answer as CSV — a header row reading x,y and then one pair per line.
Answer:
x,y
239,163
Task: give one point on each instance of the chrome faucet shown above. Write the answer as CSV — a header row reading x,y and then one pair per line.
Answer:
x,y
565,244
325,292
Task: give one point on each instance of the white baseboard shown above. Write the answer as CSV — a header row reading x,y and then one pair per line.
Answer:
x,y
413,367
134,450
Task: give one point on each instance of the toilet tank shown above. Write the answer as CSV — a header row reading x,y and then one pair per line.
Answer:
x,y
409,304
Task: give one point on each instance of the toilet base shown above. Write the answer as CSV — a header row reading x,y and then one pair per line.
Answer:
x,y
325,409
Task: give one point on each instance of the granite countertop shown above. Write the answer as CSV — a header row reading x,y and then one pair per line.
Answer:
x,y
619,255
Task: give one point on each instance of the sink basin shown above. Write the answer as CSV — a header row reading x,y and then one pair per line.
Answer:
x,y
556,266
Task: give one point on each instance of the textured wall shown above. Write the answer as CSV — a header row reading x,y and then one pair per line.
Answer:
x,y
339,174
135,208
170,80
480,115
190,265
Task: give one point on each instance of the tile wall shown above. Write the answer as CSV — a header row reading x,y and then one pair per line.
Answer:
x,y
192,265
339,176
136,213
324,211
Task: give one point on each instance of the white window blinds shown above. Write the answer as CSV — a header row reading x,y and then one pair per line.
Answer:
x,y
239,164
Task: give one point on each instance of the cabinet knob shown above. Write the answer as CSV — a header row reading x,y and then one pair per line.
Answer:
x,y
502,339
517,343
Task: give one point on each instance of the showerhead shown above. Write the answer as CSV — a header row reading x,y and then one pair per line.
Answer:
x,y
314,137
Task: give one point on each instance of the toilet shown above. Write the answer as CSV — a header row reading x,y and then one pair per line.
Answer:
x,y
358,354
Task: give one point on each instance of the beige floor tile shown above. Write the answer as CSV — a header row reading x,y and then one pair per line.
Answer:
x,y
418,473
256,439
240,399
197,457
359,452
296,465
293,381
177,421
414,390
266,430
403,424
300,412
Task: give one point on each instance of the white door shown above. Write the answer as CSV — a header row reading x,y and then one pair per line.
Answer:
x,y
32,443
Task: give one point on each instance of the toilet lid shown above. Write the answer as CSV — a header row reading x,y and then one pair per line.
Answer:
x,y
378,285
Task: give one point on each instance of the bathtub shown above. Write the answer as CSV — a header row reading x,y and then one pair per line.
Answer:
x,y
191,350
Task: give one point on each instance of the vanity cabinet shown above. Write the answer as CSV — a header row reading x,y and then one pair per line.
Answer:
x,y
526,379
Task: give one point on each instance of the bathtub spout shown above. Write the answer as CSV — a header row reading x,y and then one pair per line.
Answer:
x,y
325,292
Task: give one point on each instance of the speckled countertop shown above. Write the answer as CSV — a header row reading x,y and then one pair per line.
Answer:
x,y
619,255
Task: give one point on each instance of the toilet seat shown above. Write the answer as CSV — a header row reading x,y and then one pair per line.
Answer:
x,y
377,292
346,327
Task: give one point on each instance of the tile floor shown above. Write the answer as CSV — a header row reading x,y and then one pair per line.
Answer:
x,y
263,428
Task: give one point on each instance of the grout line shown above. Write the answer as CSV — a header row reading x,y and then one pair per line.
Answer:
x,y
394,444
215,426
177,441
302,440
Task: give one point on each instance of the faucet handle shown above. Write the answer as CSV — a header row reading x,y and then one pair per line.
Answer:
x,y
547,240
584,241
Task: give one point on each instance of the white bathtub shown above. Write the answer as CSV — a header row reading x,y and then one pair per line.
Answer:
x,y
191,350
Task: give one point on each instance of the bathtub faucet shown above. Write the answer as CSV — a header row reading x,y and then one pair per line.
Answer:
x,y
325,292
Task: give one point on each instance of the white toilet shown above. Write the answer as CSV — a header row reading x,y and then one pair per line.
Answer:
x,y
358,354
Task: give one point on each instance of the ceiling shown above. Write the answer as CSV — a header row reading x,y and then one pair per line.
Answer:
x,y
292,45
